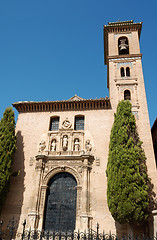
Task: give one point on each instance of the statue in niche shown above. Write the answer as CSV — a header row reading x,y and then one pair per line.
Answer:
x,y
53,145
88,147
76,144
42,146
65,142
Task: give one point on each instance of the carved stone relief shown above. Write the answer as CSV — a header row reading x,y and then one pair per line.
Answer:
x,y
79,169
43,194
58,169
31,161
42,146
65,141
66,124
39,165
97,161
88,147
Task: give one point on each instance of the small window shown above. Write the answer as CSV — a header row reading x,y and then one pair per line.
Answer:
x,y
122,72
79,123
123,46
127,95
128,72
54,124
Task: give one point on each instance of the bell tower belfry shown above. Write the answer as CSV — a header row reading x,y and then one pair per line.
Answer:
x,y
123,60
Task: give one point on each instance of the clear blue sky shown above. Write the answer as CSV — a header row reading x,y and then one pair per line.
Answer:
x,y
53,49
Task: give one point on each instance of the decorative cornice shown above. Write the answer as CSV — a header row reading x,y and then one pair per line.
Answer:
x,y
122,23
127,26
122,58
57,106
64,157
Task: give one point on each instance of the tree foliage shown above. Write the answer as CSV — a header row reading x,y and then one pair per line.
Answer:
x,y
7,149
127,179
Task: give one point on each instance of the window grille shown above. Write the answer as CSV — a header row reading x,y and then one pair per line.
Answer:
x,y
54,125
79,123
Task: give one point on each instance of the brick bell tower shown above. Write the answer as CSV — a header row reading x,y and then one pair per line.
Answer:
x,y
123,60
125,82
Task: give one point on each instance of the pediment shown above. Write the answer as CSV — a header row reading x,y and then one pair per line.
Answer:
x,y
75,98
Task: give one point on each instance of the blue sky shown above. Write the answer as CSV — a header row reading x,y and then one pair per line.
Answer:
x,y
53,49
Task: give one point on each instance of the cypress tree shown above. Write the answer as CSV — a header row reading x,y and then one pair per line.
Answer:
x,y
7,149
127,179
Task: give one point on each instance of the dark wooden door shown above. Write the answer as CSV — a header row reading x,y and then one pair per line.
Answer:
x,y
60,208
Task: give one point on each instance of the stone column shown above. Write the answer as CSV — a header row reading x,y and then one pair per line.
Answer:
x,y
85,215
70,143
85,187
41,207
35,199
118,89
78,208
85,208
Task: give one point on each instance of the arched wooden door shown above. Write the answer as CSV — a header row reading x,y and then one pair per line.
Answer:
x,y
60,207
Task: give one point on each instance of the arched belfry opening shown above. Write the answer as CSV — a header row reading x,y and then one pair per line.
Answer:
x,y
128,72
60,205
123,46
127,95
122,72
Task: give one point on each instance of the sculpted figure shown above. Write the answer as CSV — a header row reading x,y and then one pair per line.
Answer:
x,y
65,142
76,145
88,146
42,146
53,145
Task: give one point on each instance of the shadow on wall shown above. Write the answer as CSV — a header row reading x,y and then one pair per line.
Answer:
x,y
14,201
144,228
133,229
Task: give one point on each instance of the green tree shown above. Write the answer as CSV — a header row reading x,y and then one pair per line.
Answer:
x,y
7,149
127,179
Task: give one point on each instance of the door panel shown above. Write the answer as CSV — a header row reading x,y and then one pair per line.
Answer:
x,y
60,208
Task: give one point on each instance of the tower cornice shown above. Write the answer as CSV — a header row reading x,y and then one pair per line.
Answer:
x,y
124,57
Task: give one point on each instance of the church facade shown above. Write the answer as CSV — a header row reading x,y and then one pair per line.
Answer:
x,y
62,146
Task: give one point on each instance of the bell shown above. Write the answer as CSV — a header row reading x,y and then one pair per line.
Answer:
x,y
123,45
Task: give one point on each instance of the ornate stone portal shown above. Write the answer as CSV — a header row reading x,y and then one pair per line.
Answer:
x,y
79,167
64,151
